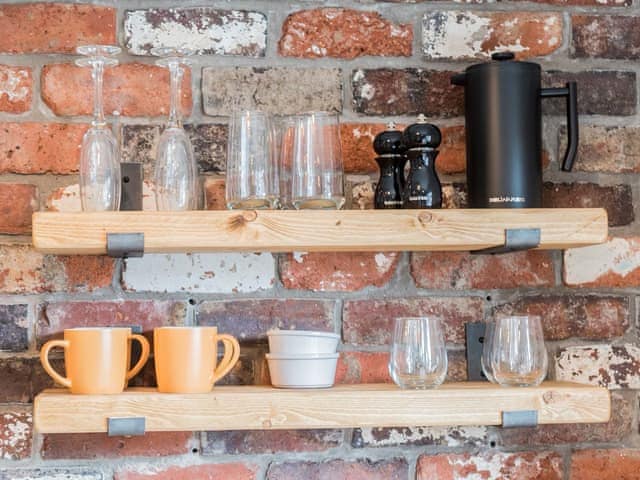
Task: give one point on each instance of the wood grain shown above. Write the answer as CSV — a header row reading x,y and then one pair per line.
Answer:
x,y
347,230
344,406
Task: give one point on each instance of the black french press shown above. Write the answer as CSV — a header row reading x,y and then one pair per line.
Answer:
x,y
503,122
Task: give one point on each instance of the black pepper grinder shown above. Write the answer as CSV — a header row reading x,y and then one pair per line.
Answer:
x,y
391,160
422,189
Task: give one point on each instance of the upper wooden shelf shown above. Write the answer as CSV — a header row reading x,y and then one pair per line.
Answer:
x,y
343,406
290,230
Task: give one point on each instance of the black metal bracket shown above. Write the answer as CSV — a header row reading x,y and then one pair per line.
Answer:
x,y
131,191
125,245
515,240
474,336
126,426
520,418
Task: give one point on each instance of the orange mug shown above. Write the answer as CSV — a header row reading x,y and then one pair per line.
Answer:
x,y
96,359
186,357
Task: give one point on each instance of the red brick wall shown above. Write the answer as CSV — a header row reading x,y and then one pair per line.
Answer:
x,y
373,61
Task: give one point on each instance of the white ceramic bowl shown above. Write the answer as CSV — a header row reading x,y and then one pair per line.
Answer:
x,y
304,342
302,371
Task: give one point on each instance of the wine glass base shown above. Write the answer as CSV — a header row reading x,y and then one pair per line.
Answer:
x,y
250,204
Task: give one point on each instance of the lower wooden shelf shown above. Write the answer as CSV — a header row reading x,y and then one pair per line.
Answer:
x,y
343,406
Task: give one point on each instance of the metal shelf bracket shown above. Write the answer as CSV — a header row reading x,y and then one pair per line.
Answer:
x,y
520,418
515,240
126,426
124,245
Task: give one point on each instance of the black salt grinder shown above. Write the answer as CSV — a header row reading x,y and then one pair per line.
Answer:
x,y
391,160
422,189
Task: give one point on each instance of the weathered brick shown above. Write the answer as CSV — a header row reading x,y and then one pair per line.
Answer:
x,y
215,194
420,436
276,90
611,464
68,90
564,316
14,328
611,366
456,35
615,430
458,271
16,426
209,142
521,465
17,375
615,263
605,36
249,320
370,322
67,199
55,27
388,469
606,149
47,473
99,446
330,272
343,33
207,272
18,201
29,148
600,92
406,91
616,199
16,88
219,471
206,30
261,441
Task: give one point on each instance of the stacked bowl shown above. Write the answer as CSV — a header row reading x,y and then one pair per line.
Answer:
x,y
302,359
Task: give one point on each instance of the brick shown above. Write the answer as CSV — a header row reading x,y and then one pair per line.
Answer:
x,y
16,88
206,30
16,432
615,430
14,328
606,149
459,271
600,92
617,200
343,33
270,89
249,320
94,446
331,272
209,143
46,473
605,36
406,91
370,322
215,194
388,469
18,201
588,3
68,90
611,366
610,464
456,35
615,263
67,199
17,375
207,272
521,465
271,442
55,27
420,436
590,317
31,148
220,471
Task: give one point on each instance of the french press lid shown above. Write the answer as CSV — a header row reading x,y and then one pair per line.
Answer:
x,y
500,60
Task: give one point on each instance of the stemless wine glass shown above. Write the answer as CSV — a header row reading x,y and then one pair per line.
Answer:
x,y
176,172
519,355
487,350
317,171
418,353
252,167
99,160
285,132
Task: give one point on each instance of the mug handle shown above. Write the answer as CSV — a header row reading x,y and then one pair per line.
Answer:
x,y
144,356
44,359
230,357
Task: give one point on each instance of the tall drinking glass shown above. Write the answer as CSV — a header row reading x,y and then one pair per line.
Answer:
x,y
285,133
317,171
418,353
99,159
519,355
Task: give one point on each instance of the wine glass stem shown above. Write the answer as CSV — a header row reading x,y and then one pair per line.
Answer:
x,y
98,73
176,72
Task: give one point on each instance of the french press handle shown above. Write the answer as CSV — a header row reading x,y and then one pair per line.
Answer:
x,y
570,92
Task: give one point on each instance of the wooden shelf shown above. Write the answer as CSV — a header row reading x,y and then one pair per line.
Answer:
x,y
344,406
345,230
